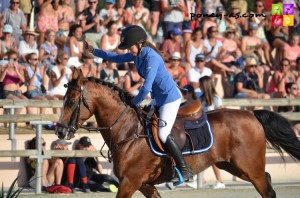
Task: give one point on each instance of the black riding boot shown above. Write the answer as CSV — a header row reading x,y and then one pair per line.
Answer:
x,y
174,150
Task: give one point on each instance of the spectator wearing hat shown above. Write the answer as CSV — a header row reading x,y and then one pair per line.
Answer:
x,y
28,45
176,70
242,5
221,23
212,5
241,23
107,14
88,68
249,83
8,42
198,71
16,18
60,75
193,47
173,13
172,43
91,24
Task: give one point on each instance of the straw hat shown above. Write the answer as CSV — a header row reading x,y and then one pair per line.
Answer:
x,y
31,31
250,61
176,56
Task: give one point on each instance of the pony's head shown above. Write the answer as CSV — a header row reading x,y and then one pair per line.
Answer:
x,y
76,108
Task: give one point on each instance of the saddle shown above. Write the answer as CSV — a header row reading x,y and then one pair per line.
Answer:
x,y
188,112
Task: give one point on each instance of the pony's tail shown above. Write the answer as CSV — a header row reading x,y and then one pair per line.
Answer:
x,y
279,133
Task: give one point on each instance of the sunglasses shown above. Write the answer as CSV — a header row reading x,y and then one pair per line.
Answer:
x,y
66,58
35,59
252,66
213,31
92,2
231,32
175,60
44,144
14,2
199,61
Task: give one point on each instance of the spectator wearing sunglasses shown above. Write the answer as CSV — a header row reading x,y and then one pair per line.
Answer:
x,y
282,76
198,71
16,18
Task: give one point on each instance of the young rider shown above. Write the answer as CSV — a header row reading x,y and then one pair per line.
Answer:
x,y
158,81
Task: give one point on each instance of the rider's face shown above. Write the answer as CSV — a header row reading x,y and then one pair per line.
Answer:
x,y
133,50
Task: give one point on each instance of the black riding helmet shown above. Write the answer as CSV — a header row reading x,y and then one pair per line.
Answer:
x,y
132,35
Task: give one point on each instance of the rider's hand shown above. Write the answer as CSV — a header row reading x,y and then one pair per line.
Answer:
x,y
88,47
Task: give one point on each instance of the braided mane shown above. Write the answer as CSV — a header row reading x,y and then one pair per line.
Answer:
x,y
125,96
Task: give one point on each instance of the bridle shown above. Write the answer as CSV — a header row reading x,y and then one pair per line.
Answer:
x,y
72,126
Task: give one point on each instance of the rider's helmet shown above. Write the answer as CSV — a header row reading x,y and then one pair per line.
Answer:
x,y
132,35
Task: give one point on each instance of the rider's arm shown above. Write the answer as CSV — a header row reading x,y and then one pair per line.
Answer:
x,y
150,73
114,57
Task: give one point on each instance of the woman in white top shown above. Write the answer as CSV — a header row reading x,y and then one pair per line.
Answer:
x,y
211,101
73,47
194,47
60,75
111,40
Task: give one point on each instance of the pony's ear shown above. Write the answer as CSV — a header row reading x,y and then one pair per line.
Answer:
x,y
75,73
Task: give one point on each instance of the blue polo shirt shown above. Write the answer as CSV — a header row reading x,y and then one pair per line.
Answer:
x,y
151,67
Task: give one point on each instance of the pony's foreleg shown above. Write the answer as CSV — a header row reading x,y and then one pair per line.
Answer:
x,y
271,192
149,191
127,187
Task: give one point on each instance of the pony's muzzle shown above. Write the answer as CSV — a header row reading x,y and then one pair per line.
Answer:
x,y
61,132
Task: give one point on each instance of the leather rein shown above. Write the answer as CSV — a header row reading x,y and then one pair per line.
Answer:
x,y
73,123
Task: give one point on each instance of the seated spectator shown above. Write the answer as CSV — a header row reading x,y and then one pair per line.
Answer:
x,y
52,170
88,68
291,50
171,43
213,48
249,83
176,70
8,42
111,40
124,16
59,76
173,13
193,47
132,80
12,77
109,73
47,18
251,45
259,8
198,71
208,22
297,73
239,22
86,172
91,23
35,78
231,51
16,18
66,18
48,50
28,45
73,47
140,14
280,77
107,15
291,90
221,23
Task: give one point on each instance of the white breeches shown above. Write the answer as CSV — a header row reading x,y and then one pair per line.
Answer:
x,y
167,116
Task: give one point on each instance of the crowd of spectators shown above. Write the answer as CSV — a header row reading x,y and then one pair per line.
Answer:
x,y
38,51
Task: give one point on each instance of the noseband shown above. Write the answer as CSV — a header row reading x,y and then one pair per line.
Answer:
x,y
72,126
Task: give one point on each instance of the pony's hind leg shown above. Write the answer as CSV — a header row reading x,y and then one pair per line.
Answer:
x,y
149,191
271,192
